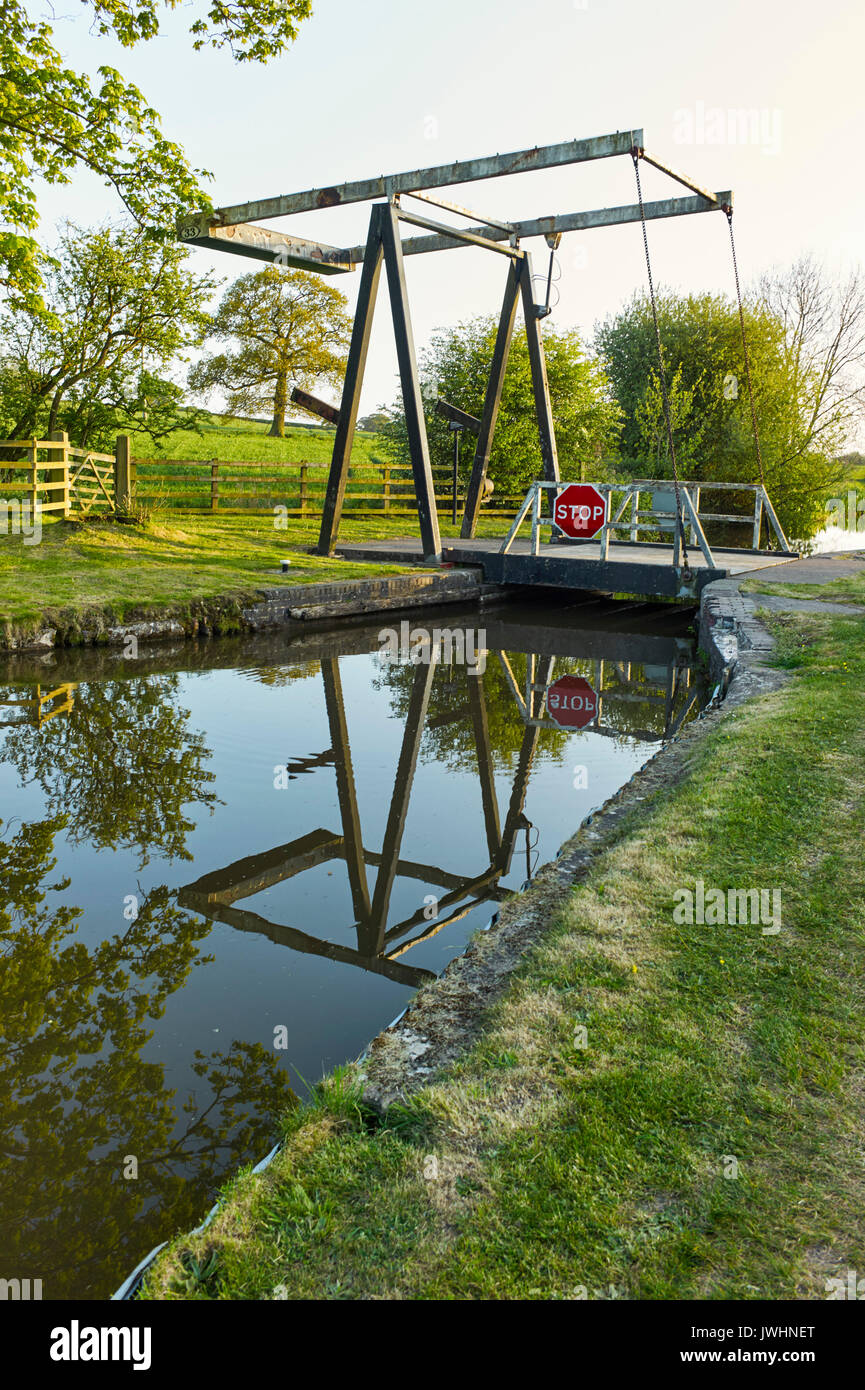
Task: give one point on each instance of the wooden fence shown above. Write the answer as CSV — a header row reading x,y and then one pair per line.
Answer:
x,y
56,477
59,478
39,706
372,490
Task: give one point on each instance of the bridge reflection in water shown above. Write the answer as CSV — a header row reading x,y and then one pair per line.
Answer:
x,y
653,671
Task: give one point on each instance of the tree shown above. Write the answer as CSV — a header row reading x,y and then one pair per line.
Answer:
x,y
702,344
824,330
288,325
120,308
456,366
374,422
53,119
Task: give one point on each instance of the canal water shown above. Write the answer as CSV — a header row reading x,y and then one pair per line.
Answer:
x,y
225,867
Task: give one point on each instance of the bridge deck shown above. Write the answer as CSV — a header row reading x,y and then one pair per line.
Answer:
x,y
644,569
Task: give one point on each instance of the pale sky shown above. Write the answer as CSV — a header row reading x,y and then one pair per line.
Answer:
x,y
392,85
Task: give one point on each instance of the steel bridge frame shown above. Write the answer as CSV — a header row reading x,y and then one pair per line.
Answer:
x,y
235,229
656,517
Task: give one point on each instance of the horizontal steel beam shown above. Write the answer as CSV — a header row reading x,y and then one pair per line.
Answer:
x,y
263,244
567,222
277,248
438,176
680,178
460,210
472,236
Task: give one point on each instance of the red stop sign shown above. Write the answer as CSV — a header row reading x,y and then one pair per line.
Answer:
x,y
572,702
579,510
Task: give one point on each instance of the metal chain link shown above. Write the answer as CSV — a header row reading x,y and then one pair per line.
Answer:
x,y
729,211
635,155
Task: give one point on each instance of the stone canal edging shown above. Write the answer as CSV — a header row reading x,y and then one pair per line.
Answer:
x,y
287,606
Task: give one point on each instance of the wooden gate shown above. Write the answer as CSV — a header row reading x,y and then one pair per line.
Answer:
x,y
91,481
51,475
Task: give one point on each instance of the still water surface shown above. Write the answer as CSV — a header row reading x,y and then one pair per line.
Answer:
x,y
223,869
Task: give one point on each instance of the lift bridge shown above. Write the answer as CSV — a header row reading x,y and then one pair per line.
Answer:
x,y
664,566
629,667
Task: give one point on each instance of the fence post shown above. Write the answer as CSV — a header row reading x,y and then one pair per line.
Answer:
x,y
304,490
214,485
34,475
122,472
387,487
61,474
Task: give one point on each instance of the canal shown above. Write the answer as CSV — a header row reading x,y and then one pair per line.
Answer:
x,y
224,867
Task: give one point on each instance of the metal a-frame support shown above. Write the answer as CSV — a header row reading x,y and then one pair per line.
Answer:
x,y
518,287
235,229
384,245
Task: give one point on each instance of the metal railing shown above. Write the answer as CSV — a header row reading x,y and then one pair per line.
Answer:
x,y
624,512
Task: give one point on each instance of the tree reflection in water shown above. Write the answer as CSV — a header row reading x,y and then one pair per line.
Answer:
x,y
121,766
77,1100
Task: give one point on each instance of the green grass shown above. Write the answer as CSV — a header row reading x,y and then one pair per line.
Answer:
x,y
565,1171
232,440
850,589
177,558
172,560
277,480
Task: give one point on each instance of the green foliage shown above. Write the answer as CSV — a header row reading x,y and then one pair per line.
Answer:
x,y
77,1093
287,325
122,764
120,309
53,119
702,344
456,366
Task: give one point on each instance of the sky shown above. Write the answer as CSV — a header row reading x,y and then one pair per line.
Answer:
x,y
392,86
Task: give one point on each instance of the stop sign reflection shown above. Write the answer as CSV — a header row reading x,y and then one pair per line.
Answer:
x,y
571,702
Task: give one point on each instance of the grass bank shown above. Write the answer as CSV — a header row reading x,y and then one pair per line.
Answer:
x,y
178,558
174,559
850,589
654,1110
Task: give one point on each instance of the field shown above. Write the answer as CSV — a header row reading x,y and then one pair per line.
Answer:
x,y
257,473
183,551
230,440
175,559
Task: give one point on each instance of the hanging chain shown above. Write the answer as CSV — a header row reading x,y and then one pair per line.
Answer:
x,y
729,211
635,155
